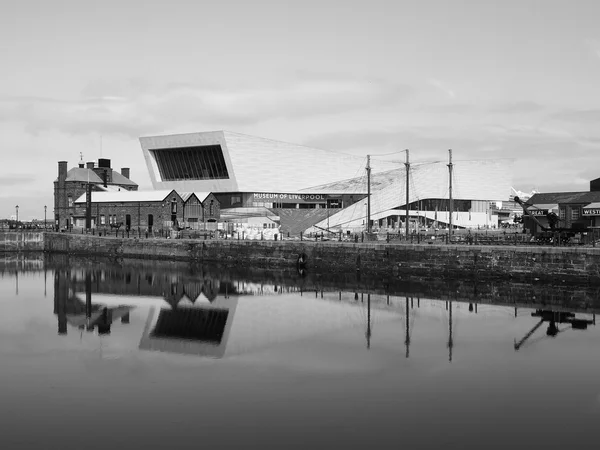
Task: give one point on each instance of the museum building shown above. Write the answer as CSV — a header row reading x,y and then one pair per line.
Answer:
x,y
309,188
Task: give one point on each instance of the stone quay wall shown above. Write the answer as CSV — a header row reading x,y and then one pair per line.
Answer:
x,y
526,263
21,241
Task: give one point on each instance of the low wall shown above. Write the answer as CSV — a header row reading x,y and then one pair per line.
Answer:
x,y
21,241
556,265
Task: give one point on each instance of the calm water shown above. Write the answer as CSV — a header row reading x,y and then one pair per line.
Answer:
x,y
103,355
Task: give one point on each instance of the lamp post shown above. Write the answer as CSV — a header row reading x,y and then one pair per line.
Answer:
x,y
45,223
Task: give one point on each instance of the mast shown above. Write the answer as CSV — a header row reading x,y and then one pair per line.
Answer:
x,y
368,193
368,334
407,337
450,339
407,164
451,203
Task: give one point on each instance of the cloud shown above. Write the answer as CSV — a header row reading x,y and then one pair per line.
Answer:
x,y
594,46
16,180
442,87
132,109
582,117
517,107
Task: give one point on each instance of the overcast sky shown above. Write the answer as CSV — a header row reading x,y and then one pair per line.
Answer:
x,y
489,79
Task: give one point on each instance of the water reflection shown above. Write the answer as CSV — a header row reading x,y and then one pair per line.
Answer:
x,y
71,310
196,310
195,313
554,318
299,355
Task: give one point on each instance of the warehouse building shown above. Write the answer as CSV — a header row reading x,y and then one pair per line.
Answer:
x,y
150,211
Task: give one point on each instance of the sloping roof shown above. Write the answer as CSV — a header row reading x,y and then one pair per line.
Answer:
x,y
487,180
256,164
83,175
595,205
261,164
201,196
565,197
118,178
127,196
548,206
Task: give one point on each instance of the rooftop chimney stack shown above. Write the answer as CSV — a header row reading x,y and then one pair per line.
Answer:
x,y
89,165
62,170
81,165
103,162
125,172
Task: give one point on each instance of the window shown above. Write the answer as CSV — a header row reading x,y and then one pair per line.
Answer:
x,y
191,163
235,199
562,213
210,212
102,220
70,199
575,213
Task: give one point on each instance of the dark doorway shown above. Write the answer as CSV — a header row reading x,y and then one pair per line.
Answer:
x,y
150,222
127,222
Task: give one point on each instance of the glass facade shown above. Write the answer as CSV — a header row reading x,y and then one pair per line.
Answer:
x,y
191,163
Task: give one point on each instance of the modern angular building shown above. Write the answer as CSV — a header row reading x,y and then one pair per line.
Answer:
x,y
306,187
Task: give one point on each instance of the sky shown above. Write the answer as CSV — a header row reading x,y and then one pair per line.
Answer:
x,y
514,79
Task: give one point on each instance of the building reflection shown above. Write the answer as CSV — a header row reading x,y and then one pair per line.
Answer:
x,y
193,313
71,310
567,320
202,330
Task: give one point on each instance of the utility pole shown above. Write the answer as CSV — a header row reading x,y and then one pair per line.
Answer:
x,y
369,194
451,204
407,164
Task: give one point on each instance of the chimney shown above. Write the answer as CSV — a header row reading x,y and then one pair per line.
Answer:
x,y
62,170
81,165
89,165
125,172
103,162
105,177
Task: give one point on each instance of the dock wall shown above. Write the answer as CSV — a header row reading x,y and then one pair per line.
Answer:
x,y
526,263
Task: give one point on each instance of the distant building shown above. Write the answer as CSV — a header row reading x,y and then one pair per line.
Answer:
x,y
72,184
574,209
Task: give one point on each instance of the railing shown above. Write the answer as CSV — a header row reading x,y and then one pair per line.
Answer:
x,y
460,237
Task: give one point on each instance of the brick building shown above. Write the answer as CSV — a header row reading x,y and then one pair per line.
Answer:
x,y
201,210
72,184
576,210
151,211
